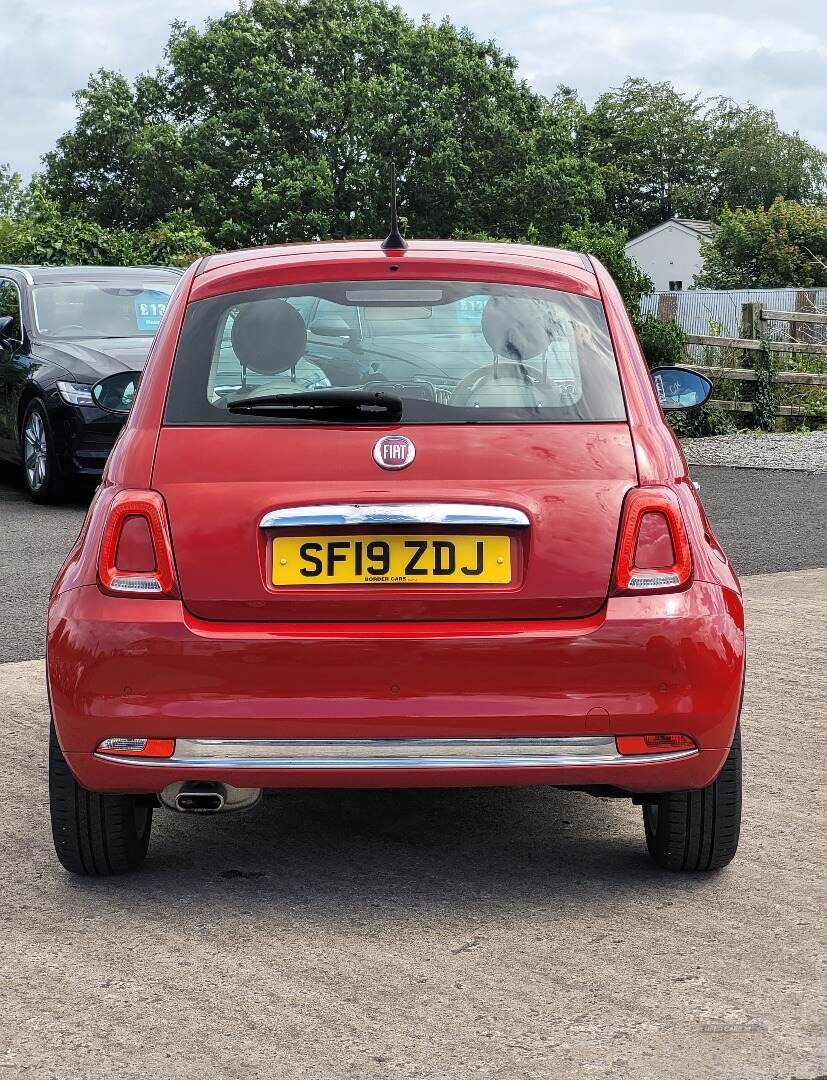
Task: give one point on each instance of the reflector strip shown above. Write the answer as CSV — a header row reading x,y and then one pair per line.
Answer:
x,y
653,744
135,584
653,581
133,747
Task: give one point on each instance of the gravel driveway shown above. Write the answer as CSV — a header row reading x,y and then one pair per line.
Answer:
x,y
759,450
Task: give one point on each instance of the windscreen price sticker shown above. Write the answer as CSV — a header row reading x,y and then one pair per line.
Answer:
x,y
149,310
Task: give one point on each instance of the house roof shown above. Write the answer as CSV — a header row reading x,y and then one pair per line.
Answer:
x,y
706,229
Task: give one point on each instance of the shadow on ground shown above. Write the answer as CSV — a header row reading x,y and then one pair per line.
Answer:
x,y
406,851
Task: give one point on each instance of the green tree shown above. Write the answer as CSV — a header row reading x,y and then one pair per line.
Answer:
x,y
651,143
785,245
755,162
278,121
663,153
118,166
12,192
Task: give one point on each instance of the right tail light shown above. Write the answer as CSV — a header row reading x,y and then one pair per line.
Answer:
x,y
653,553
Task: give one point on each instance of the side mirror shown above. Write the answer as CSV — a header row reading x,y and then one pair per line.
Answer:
x,y
680,388
5,323
115,393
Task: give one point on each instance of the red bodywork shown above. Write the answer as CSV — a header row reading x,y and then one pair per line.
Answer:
x,y
561,652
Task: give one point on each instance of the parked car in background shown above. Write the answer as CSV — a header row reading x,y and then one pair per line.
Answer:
x,y
62,330
392,516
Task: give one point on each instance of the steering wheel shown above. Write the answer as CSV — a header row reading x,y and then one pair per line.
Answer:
x,y
501,376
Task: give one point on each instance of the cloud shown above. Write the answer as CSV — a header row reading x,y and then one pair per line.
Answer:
x,y
751,50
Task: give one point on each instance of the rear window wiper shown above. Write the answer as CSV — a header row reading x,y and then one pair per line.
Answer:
x,y
328,406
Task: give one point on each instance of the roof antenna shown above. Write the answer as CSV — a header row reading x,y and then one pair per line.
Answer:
x,y
394,241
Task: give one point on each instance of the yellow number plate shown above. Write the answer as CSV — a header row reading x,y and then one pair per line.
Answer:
x,y
391,560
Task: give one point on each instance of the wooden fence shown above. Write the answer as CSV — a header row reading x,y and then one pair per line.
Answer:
x,y
754,319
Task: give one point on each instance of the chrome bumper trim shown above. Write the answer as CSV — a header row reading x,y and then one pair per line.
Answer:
x,y
396,753
301,517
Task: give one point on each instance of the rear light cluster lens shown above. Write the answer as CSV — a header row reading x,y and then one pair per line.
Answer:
x,y
129,747
653,744
653,553
136,549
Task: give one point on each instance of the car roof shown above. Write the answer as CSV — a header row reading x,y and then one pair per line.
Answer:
x,y
344,248
53,275
515,263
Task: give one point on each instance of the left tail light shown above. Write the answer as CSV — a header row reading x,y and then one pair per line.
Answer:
x,y
136,550
653,553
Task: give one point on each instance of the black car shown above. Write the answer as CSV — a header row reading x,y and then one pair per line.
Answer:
x,y
63,330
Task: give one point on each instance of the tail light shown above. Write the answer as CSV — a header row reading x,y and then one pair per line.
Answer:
x,y
136,551
653,553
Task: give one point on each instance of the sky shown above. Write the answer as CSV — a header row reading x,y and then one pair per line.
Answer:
x,y
770,53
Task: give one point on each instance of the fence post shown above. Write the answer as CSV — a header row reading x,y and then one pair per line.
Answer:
x,y
751,321
668,307
805,300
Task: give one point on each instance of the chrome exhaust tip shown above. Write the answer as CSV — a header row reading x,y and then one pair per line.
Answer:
x,y
207,797
196,801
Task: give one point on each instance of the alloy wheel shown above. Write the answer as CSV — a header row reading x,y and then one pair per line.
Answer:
x,y
36,451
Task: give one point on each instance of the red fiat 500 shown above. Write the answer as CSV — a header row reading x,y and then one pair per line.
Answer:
x,y
392,517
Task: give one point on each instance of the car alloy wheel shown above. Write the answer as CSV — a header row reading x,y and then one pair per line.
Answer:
x,y
36,451
42,477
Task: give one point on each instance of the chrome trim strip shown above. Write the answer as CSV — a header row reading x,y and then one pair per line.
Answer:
x,y
300,517
396,753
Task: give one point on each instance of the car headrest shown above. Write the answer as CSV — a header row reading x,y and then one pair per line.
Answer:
x,y
269,336
515,327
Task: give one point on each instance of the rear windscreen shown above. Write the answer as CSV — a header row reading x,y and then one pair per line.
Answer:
x,y
451,351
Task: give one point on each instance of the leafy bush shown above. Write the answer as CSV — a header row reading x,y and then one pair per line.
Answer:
x,y
40,233
785,245
811,398
663,343
698,423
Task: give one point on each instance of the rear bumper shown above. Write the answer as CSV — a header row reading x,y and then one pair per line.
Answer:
x,y
133,667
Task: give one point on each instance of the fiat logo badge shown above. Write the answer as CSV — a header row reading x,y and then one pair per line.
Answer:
x,y
394,452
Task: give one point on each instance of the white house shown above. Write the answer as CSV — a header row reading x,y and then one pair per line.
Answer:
x,y
671,252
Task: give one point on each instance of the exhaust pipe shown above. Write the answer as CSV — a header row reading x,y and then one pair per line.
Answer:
x,y
207,797
200,799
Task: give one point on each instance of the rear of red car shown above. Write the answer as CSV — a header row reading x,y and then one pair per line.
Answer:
x,y
406,518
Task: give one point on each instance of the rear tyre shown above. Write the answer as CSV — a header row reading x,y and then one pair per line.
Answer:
x,y
698,830
37,446
94,834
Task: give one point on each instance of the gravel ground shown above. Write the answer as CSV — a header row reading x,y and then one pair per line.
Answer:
x,y
756,450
